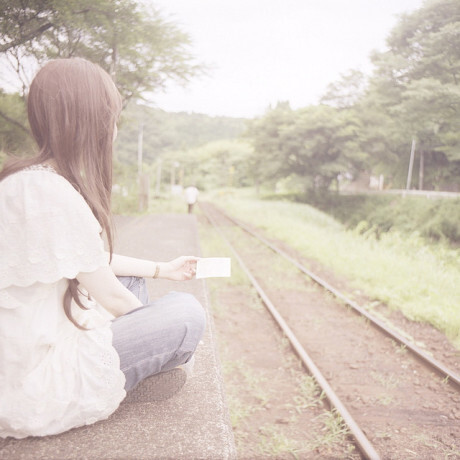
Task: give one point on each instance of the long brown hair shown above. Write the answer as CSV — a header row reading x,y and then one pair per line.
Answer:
x,y
73,106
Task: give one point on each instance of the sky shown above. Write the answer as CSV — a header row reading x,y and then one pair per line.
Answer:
x,y
260,52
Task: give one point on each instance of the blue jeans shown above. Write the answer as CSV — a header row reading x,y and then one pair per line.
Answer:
x,y
159,336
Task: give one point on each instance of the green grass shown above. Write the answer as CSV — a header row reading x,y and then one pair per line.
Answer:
x,y
387,381
444,451
334,432
309,394
239,410
402,271
274,444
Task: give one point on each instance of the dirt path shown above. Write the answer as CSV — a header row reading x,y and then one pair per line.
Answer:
x,y
407,411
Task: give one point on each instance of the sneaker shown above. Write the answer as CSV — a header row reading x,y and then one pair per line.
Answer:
x,y
158,387
167,384
188,366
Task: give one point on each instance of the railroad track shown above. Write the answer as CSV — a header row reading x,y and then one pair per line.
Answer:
x,y
407,379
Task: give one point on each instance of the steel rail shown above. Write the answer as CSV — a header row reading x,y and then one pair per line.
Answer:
x,y
439,367
360,438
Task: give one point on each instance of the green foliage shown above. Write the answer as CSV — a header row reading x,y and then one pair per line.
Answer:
x,y
265,136
436,219
125,189
14,136
133,43
139,49
316,143
432,219
429,43
215,165
169,132
194,148
415,87
349,209
346,92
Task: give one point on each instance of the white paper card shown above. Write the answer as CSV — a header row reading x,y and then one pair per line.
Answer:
x,y
213,267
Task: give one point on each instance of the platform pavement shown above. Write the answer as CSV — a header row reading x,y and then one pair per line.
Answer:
x,y
193,424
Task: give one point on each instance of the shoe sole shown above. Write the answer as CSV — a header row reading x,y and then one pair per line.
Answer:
x,y
158,387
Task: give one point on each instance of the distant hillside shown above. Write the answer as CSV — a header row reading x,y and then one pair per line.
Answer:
x,y
167,131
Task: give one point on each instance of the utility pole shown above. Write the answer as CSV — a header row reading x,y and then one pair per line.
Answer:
x,y
158,184
175,165
421,170
411,165
173,176
140,138
142,178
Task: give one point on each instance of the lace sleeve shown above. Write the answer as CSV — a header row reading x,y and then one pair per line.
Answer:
x,y
48,232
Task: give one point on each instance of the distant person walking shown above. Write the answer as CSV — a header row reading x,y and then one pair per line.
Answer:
x,y
77,330
191,196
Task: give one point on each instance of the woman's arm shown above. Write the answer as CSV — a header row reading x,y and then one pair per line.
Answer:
x,y
108,292
106,289
180,269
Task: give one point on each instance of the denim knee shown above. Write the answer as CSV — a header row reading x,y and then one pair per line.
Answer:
x,y
158,337
194,319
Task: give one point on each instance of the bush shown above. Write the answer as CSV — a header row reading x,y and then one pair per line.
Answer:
x,y
433,219
443,222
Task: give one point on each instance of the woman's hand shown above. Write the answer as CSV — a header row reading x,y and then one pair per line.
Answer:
x,y
180,269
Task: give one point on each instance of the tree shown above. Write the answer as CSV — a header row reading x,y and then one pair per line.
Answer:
x,y
347,91
13,119
428,42
265,134
416,87
216,164
323,144
135,45
315,143
170,131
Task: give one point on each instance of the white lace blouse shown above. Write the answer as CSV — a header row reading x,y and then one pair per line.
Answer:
x,y
53,376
